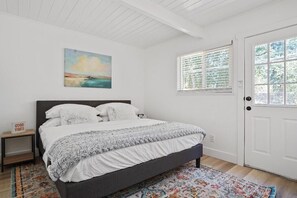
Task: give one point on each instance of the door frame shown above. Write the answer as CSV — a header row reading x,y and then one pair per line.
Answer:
x,y
239,49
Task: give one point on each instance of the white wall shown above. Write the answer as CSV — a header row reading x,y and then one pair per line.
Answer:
x,y
32,68
216,113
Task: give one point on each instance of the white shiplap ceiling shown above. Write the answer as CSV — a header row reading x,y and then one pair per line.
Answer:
x,y
115,20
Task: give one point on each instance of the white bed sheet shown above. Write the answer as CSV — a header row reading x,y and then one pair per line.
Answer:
x,y
118,159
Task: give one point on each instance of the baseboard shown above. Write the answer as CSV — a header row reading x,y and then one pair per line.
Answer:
x,y
229,157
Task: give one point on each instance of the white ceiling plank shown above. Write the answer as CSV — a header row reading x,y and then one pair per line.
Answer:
x,y
94,16
117,20
77,11
89,9
3,5
176,4
104,15
57,8
35,6
66,11
24,8
165,16
166,3
212,5
133,26
108,23
124,25
13,6
196,7
45,10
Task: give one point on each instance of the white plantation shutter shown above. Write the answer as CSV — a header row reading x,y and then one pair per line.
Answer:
x,y
206,70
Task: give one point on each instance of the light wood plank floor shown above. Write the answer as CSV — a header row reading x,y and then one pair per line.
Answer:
x,y
285,187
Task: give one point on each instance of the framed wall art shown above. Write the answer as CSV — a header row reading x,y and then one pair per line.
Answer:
x,y
86,69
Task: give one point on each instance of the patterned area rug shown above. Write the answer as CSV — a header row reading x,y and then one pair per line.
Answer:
x,y
186,181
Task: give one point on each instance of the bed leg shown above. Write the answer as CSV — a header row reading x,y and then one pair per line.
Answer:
x,y
198,163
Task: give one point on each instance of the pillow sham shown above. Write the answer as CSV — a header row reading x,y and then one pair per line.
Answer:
x,y
105,118
121,113
77,116
53,122
102,109
100,119
54,112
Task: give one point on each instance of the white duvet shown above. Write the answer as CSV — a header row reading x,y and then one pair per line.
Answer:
x,y
117,159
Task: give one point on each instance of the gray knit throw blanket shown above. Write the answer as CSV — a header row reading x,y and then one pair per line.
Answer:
x,y
68,151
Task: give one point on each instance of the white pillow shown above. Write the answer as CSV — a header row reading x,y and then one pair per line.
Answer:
x,y
121,113
54,112
105,118
100,119
53,122
77,116
103,108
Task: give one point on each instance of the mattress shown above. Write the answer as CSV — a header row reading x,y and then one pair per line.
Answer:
x,y
117,159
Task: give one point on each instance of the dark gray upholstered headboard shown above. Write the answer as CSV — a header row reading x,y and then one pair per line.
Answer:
x,y
43,106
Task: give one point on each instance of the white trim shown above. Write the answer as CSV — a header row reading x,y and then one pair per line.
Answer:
x,y
226,156
240,37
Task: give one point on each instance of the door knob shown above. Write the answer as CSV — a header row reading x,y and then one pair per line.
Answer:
x,y
248,108
249,98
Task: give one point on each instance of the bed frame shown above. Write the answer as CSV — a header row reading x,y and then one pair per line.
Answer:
x,y
112,182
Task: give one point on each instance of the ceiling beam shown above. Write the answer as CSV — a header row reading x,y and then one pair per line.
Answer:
x,y
165,16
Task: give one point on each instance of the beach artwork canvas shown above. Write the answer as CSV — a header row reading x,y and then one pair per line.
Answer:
x,y
86,69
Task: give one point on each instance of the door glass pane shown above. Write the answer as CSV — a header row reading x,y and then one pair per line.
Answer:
x,y
277,51
291,71
276,73
261,94
261,74
291,48
261,54
277,94
291,92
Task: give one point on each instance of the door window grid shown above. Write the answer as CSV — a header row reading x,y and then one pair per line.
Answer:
x,y
271,80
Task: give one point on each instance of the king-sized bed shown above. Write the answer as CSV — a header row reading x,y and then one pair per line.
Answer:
x,y
113,167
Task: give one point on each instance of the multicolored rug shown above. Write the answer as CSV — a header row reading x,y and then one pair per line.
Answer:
x,y
184,182
32,181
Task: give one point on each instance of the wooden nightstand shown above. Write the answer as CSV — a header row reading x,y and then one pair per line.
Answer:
x,y
30,156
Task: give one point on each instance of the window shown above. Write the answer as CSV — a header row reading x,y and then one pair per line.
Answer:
x,y
275,72
206,70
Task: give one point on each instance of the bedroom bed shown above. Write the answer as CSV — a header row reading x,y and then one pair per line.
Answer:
x,y
113,181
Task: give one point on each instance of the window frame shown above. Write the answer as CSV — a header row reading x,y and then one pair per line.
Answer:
x,y
228,90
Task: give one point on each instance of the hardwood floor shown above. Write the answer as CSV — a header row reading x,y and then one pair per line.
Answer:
x,y
285,187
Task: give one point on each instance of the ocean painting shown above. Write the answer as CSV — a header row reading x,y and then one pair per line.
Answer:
x,y
86,69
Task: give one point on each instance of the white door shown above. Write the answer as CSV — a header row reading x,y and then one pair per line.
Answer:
x,y
271,102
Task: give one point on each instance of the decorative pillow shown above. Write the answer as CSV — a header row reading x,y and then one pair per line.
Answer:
x,y
121,113
54,112
53,122
105,118
100,119
77,116
103,108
